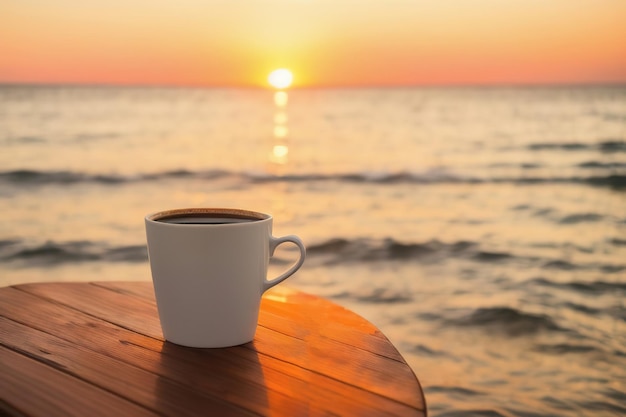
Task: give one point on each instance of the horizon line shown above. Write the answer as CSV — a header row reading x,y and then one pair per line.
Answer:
x,y
554,84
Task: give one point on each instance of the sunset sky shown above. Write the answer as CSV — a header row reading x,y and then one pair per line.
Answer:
x,y
323,42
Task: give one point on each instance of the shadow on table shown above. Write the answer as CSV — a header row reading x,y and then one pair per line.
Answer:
x,y
226,381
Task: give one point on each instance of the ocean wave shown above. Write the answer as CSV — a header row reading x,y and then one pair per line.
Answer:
x,y
452,390
424,350
606,146
602,165
564,348
340,250
22,140
567,219
37,177
485,256
381,295
618,242
330,252
590,311
614,181
617,311
369,250
594,287
523,165
27,176
600,406
569,266
560,264
615,394
384,295
581,218
54,253
507,320
5,243
570,146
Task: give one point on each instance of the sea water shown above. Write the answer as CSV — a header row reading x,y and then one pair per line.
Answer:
x,y
483,230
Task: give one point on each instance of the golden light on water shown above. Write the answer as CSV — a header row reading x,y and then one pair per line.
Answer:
x,y
279,154
280,131
280,151
280,78
280,118
280,99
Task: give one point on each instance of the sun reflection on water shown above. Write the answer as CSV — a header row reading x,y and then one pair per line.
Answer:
x,y
281,98
279,149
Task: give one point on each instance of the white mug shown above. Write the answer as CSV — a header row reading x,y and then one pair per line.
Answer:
x,y
209,270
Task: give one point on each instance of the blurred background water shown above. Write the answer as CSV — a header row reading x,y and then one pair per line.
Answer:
x,y
482,229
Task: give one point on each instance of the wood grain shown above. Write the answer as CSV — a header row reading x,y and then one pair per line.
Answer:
x,y
309,357
33,387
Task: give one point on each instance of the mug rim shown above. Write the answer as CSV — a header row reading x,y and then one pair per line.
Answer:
x,y
254,216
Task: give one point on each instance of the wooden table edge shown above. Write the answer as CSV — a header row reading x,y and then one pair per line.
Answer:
x,y
137,287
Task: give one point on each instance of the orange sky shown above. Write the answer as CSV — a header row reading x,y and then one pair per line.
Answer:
x,y
324,42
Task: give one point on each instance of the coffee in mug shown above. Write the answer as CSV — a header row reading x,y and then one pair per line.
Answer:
x,y
209,270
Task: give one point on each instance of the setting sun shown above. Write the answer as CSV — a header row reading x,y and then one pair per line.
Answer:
x,y
321,43
280,78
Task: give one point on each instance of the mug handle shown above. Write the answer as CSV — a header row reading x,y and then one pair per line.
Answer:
x,y
274,242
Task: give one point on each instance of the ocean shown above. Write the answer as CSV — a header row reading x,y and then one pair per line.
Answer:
x,y
483,230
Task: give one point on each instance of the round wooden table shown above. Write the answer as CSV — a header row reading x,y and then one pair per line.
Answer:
x,y
96,349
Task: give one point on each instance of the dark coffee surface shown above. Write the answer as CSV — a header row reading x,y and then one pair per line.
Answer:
x,y
206,218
